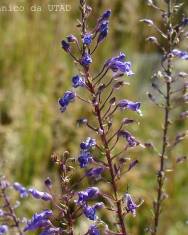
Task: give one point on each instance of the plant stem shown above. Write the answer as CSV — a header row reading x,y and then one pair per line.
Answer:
x,y
103,136
104,140
12,213
161,173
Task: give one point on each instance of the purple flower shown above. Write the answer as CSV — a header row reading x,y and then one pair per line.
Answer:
x,y
71,38
65,45
92,192
40,195
127,104
105,16
132,142
95,172
93,230
3,229
119,65
21,189
90,211
84,196
39,220
102,36
88,144
103,31
87,38
130,205
50,231
102,26
78,81
68,97
85,158
181,54
86,59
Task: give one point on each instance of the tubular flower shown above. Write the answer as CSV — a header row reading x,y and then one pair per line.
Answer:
x,y
68,97
130,205
127,104
3,229
90,211
39,220
21,189
87,38
84,196
86,60
105,16
84,158
103,31
132,142
88,144
181,54
95,172
93,230
119,65
78,81
65,45
71,38
40,195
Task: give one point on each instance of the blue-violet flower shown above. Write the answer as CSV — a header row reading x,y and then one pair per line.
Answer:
x,y
93,230
127,104
88,144
68,97
78,81
84,158
39,220
65,45
40,195
3,229
86,59
181,54
87,38
130,205
21,189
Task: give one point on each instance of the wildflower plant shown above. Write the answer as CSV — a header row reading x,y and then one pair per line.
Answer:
x,y
104,106
171,86
98,158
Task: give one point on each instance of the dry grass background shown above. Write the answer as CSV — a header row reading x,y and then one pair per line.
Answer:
x,y
35,72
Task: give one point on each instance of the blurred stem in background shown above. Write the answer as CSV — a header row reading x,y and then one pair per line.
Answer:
x,y
165,82
168,74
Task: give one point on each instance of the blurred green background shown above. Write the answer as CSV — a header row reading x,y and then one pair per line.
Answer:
x,y
35,72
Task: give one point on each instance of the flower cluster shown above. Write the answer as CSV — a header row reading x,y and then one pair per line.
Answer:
x,y
99,157
32,191
97,153
85,152
39,220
